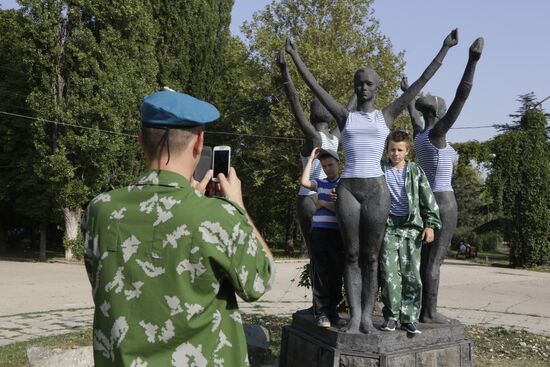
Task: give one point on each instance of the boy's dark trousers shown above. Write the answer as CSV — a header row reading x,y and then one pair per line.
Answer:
x,y
327,259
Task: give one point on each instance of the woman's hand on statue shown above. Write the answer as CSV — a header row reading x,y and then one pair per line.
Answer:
x,y
427,235
290,47
452,39
476,48
404,83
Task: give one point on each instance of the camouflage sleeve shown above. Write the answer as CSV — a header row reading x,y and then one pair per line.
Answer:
x,y
429,210
247,266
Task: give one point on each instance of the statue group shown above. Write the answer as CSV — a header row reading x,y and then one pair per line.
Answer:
x,y
363,199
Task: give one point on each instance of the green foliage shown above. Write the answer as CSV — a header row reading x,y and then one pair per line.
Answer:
x,y
520,190
489,241
76,245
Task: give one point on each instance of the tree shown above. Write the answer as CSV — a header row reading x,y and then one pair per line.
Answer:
x,y
90,64
520,190
527,101
335,38
192,44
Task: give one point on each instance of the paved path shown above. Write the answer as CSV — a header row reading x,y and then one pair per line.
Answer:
x,y
41,299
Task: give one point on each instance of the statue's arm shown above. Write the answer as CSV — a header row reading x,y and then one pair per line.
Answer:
x,y
394,109
292,95
336,109
463,91
418,124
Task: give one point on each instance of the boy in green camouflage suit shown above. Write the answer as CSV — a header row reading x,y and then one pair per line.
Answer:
x,y
414,215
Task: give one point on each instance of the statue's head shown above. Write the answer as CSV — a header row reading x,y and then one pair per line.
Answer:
x,y
431,105
318,112
365,84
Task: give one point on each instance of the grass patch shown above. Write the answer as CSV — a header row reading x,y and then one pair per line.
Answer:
x,y
493,347
499,347
14,355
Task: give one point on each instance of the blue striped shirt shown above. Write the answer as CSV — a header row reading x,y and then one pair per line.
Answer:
x,y
437,163
323,217
395,179
363,139
316,169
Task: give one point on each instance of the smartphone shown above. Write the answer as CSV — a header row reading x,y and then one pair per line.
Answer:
x,y
205,163
221,161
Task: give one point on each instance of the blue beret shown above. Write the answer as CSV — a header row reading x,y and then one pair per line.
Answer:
x,y
174,109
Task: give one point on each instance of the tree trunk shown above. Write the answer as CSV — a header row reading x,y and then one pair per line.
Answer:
x,y
3,238
43,232
72,226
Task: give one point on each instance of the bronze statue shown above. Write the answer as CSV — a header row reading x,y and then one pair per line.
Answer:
x,y
363,198
436,156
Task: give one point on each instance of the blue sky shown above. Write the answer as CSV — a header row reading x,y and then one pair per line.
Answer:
x,y
515,59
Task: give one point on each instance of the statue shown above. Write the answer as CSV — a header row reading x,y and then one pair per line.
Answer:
x,y
363,199
317,134
436,157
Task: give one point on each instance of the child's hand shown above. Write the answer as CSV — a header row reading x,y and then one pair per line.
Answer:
x,y
427,235
314,153
319,204
333,195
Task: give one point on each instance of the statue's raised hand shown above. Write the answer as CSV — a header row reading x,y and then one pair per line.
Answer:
x,y
281,60
404,83
290,47
452,39
476,48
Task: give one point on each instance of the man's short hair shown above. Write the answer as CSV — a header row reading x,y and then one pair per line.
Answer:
x,y
178,139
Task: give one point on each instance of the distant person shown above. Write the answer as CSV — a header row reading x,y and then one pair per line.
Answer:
x,y
414,215
327,251
464,248
165,261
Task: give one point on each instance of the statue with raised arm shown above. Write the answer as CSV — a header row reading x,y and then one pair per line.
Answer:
x,y
317,135
436,157
363,199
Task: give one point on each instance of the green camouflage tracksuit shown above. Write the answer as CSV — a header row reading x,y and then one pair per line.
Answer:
x,y
165,263
400,252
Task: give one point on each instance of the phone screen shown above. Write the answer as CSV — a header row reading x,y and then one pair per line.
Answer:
x,y
221,162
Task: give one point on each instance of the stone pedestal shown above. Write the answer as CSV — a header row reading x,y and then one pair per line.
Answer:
x,y
305,344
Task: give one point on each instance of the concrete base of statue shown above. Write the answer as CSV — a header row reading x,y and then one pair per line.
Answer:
x,y
305,344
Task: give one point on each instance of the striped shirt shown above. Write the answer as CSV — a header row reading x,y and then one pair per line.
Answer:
x,y
323,217
363,139
316,169
437,163
395,179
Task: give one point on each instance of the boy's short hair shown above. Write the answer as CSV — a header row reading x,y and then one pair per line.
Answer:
x,y
328,153
397,137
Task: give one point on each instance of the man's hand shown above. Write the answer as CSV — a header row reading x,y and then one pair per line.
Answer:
x,y
428,235
290,47
201,186
231,187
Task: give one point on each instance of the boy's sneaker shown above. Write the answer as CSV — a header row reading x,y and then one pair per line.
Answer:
x,y
389,325
411,328
323,321
336,320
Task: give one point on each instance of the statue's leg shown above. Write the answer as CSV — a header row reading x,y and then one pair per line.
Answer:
x,y
306,209
348,211
374,214
433,256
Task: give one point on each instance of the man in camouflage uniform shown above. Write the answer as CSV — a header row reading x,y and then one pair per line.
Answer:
x,y
165,261
414,215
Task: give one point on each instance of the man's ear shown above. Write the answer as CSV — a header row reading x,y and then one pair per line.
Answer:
x,y
197,146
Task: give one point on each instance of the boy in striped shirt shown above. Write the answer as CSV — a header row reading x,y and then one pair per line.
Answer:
x,y
414,215
327,252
